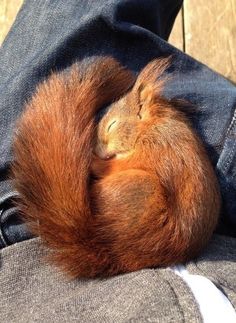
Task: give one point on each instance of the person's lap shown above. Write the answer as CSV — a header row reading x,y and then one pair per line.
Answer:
x,y
51,35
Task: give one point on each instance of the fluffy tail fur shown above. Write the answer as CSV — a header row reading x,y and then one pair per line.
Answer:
x,y
53,150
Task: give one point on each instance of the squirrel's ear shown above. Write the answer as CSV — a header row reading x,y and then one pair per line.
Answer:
x,y
151,81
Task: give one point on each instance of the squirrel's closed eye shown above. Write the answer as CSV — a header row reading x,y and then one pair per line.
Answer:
x,y
110,125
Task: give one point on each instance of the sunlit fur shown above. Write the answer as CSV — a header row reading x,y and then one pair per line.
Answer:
x,y
135,191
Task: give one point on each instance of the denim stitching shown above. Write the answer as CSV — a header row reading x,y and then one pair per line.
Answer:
x,y
229,153
3,242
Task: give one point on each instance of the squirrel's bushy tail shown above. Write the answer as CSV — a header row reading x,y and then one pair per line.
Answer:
x,y
53,151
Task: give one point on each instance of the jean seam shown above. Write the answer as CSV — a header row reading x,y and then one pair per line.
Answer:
x,y
2,239
229,153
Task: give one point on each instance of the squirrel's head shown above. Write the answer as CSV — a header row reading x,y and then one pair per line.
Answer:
x,y
123,123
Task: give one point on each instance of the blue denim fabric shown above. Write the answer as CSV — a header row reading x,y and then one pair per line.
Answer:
x,y
52,34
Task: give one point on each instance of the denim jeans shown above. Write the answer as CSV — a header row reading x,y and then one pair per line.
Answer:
x,y
52,34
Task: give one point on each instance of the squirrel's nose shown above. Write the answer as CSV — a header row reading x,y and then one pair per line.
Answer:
x,y
103,153
110,156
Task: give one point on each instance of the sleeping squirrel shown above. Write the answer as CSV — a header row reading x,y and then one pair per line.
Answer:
x,y
134,190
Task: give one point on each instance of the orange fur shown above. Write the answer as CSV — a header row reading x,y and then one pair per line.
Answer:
x,y
135,191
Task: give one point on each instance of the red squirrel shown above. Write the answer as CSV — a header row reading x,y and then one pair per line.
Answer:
x,y
134,190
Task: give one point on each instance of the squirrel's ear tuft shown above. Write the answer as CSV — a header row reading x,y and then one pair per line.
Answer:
x,y
151,81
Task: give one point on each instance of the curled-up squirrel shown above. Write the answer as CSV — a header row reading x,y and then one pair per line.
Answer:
x,y
135,190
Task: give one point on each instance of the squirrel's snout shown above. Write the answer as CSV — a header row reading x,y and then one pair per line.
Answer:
x,y
110,156
103,152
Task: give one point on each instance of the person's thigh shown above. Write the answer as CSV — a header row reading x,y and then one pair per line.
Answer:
x,y
52,35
